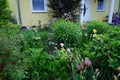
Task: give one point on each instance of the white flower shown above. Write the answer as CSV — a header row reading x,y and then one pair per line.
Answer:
x,y
94,35
61,44
37,38
68,50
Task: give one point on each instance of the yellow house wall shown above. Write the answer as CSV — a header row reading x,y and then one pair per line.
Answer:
x,y
31,18
101,14
116,5
28,17
14,8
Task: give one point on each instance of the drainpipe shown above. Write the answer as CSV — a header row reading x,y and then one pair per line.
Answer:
x,y
119,9
19,13
82,2
111,9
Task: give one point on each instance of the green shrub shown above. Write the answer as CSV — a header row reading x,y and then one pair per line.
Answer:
x,y
42,66
10,52
66,32
103,49
101,27
44,36
43,26
32,39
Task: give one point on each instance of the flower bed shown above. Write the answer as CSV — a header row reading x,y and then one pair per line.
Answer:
x,y
92,53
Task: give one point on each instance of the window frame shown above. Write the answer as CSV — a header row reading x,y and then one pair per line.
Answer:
x,y
45,7
104,6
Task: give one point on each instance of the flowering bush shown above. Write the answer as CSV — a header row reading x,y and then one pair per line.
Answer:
x,y
101,27
79,67
23,57
103,49
33,39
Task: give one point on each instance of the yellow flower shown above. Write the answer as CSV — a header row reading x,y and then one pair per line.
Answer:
x,y
99,20
94,31
118,69
83,25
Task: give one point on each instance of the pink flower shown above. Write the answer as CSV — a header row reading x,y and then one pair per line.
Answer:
x,y
87,62
79,68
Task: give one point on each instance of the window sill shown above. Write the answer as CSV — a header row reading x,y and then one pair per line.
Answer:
x,y
100,11
44,11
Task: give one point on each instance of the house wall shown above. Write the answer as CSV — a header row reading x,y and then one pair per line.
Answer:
x,y
101,14
31,18
28,17
14,8
116,5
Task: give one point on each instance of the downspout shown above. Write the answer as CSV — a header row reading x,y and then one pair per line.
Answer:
x,y
119,9
111,9
19,13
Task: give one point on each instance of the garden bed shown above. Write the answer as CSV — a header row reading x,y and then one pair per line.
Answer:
x,y
87,52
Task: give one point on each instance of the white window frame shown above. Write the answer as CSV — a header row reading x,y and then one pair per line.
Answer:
x,y
45,7
104,6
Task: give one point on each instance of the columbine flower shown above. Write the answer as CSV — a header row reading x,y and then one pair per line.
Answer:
x,y
87,62
61,44
70,57
94,31
79,56
68,50
94,35
83,25
97,72
79,68
37,38
118,69
115,77
35,30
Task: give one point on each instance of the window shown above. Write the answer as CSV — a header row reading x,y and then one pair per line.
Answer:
x,y
101,5
38,6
